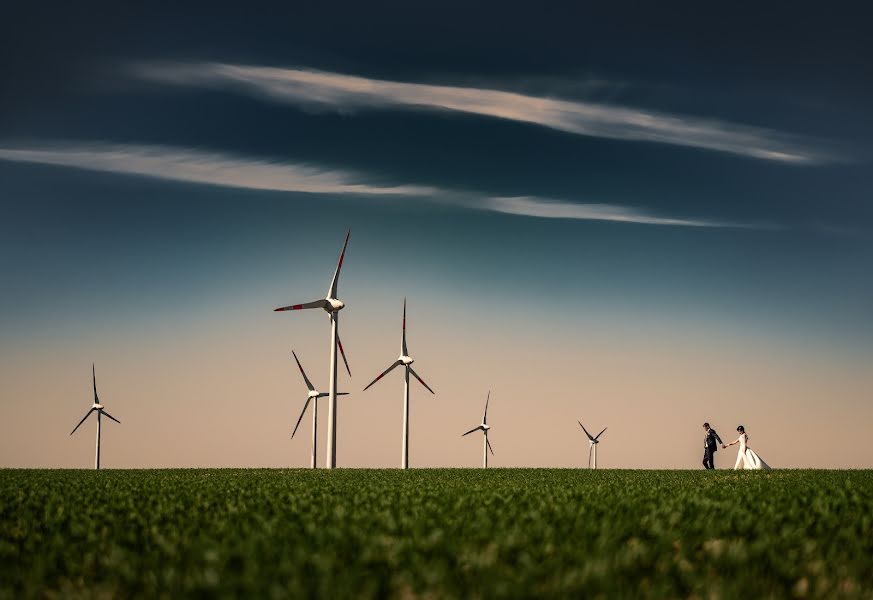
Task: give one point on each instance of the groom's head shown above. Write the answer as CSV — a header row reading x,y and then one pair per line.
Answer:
x,y
706,426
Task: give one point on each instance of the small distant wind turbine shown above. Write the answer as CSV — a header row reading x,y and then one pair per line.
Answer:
x,y
313,396
332,305
484,427
98,408
406,361
592,446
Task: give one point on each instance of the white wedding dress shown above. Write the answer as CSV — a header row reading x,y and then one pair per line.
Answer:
x,y
746,457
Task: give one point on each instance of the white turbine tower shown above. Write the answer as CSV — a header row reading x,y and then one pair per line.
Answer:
x,y
313,397
592,446
406,361
332,305
484,427
98,408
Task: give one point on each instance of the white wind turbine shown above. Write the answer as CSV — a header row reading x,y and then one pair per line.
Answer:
x,y
332,305
313,397
98,408
592,446
406,361
484,427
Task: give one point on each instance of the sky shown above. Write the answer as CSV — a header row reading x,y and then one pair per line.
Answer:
x,y
640,217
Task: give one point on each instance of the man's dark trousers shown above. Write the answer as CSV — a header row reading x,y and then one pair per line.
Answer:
x,y
708,456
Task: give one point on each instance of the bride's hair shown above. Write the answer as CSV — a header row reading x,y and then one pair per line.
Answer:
x,y
741,429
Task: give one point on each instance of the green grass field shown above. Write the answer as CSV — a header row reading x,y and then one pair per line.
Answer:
x,y
436,533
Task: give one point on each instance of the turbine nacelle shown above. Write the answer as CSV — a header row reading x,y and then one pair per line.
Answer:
x,y
406,360
96,406
333,305
485,427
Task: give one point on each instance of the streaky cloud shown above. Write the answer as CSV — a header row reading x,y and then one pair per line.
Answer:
x,y
345,93
214,168
547,208
206,167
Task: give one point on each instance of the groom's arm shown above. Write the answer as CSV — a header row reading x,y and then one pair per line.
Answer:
x,y
715,433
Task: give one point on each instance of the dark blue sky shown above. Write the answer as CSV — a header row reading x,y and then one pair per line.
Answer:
x,y
690,164
802,75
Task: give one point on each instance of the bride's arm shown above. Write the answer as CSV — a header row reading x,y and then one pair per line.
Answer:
x,y
736,441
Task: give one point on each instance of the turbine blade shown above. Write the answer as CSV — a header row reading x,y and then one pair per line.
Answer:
x,y
87,414
302,372
421,381
106,414
489,444
585,430
300,418
343,352
485,416
472,430
394,365
94,379
596,437
334,283
313,304
403,349
341,394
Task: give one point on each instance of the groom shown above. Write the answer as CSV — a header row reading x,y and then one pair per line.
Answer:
x,y
709,446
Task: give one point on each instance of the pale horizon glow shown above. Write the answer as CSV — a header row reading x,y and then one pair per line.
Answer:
x,y
233,390
325,90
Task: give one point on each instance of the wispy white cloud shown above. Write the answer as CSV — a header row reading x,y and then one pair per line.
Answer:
x,y
198,166
546,208
346,92
214,168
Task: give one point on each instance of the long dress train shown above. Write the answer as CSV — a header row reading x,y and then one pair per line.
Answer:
x,y
747,458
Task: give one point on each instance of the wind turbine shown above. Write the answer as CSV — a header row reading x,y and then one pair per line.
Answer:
x,y
406,361
332,305
484,427
592,446
100,412
313,397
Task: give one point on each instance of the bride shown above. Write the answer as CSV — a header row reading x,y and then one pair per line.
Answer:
x,y
746,457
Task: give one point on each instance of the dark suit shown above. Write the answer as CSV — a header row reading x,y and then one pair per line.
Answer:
x,y
710,448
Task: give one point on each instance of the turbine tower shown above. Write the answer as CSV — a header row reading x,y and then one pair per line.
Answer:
x,y
406,361
592,446
98,408
331,305
484,427
313,397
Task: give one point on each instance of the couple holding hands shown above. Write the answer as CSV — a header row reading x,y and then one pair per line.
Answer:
x,y
746,457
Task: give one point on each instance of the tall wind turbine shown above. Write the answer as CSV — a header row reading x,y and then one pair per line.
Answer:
x,y
313,397
406,361
332,305
484,427
98,408
592,446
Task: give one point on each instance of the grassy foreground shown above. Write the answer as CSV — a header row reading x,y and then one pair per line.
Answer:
x,y
438,533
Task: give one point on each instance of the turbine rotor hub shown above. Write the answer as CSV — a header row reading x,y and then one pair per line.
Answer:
x,y
333,305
